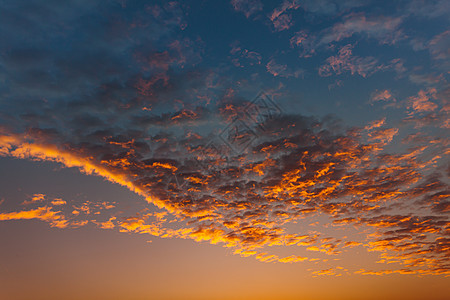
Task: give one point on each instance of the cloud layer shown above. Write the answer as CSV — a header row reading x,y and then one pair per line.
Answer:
x,y
122,91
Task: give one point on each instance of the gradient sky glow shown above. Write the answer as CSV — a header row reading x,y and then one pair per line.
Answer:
x,y
239,149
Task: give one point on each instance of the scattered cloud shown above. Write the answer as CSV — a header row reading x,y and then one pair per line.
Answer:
x,y
422,102
143,108
247,7
244,57
44,213
384,29
345,61
429,9
382,96
281,18
296,168
282,70
439,47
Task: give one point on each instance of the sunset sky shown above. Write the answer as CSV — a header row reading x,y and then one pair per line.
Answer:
x,y
236,149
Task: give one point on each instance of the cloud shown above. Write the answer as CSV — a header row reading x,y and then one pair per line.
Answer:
x,y
133,103
426,79
439,47
346,62
352,244
330,7
328,272
282,70
421,102
35,198
280,17
244,57
385,135
44,213
376,124
429,9
294,169
383,95
384,29
247,7
58,201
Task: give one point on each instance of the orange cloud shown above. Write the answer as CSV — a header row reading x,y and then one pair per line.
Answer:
x,y
42,213
35,198
422,103
58,201
249,202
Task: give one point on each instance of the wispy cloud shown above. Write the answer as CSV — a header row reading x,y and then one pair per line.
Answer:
x,y
345,61
385,30
247,7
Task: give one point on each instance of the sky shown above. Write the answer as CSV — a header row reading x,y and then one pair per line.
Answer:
x,y
236,149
